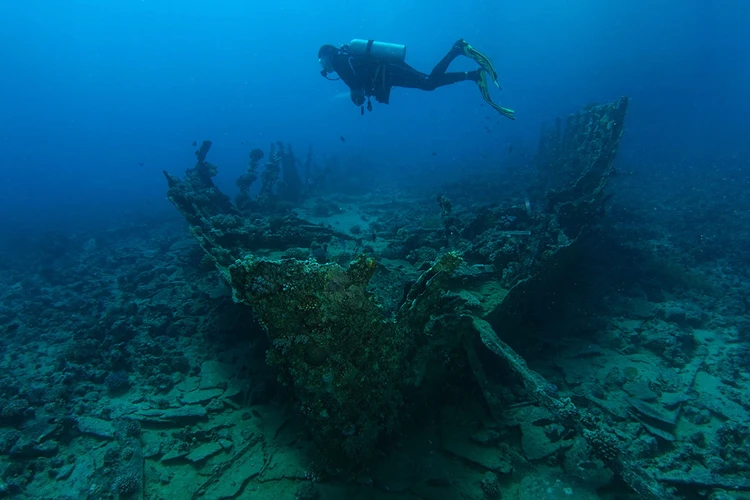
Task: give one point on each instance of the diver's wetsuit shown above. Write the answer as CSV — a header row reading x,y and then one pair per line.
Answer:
x,y
368,76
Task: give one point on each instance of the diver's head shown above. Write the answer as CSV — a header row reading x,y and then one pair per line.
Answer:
x,y
325,58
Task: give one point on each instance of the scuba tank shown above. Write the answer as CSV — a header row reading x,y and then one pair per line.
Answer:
x,y
391,52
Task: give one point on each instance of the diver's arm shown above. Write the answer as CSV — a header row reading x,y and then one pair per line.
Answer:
x,y
354,73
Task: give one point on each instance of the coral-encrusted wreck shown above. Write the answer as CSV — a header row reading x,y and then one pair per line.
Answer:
x,y
355,369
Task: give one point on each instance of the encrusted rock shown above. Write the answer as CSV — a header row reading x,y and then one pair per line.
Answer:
x,y
96,427
171,415
203,452
200,396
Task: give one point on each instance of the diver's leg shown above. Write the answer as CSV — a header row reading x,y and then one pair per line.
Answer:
x,y
443,79
442,66
403,75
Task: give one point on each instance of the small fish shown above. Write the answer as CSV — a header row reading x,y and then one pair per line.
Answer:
x,y
195,143
343,139
510,149
140,163
434,153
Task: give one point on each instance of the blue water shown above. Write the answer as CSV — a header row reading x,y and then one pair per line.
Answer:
x,y
99,97
104,289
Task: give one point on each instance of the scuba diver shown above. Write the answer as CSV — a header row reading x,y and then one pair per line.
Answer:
x,y
371,69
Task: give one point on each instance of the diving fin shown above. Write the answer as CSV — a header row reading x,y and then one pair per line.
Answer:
x,y
480,59
482,84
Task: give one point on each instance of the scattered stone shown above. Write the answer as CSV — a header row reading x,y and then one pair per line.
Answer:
x,y
216,405
658,433
629,327
486,437
587,351
710,397
31,449
575,371
552,485
537,445
671,400
65,471
231,403
700,477
471,300
79,483
579,463
683,314
640,390
306,491
200,396
612,407
203,452
244,467
488,457
236,389
96,427
659,417
226,444
170,415
212,425
151,449
49,431
214,374
189,384
638,309
172,455
536,436
285,463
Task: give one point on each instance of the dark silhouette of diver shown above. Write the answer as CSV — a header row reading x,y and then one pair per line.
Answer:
x,y
371,69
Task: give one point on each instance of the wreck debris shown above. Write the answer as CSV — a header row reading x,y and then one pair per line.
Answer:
x,y
578,162
575,170
350,367
247,179
604,443
220,228
268,179
700,478
203,151
291,187
347,365
228,479
574,178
